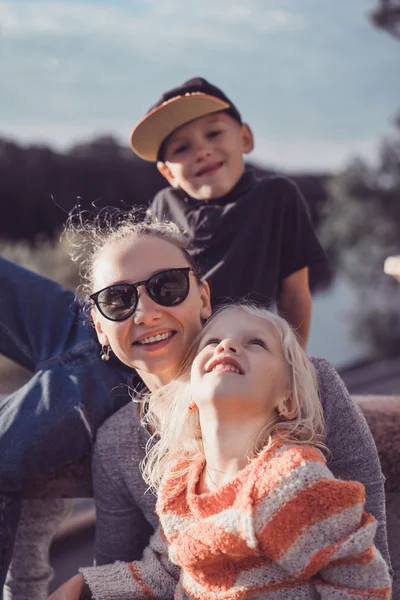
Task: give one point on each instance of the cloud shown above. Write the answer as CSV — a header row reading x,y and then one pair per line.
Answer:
x,y
149,21
299,72
83,61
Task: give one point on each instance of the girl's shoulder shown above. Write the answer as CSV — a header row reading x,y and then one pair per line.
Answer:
x,y
284,463
296,470
284,451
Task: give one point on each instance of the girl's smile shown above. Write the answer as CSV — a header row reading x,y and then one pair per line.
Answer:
x,y
225,364
240,367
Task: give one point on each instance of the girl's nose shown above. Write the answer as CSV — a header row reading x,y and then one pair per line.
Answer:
x,y
147,311
228,345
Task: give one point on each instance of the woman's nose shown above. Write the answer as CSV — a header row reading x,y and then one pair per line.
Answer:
x,y
228,345
147,311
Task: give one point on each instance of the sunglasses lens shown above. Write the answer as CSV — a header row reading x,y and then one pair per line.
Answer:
x,y
118,302
169,288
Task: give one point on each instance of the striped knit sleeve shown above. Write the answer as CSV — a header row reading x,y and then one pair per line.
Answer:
x,y
314,526
152,577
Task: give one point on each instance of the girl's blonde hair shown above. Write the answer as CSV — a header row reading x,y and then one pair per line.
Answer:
x,y
177,433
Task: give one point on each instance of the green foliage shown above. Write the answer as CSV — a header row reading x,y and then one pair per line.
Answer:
x,y
386,15
361,227
47,257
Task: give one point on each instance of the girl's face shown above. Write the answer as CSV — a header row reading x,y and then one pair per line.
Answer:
x,y
130,261
240,367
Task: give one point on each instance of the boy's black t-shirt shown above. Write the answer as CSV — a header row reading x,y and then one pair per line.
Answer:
x,y
246,242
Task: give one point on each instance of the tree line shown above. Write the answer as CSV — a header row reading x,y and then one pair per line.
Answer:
x,y
39,186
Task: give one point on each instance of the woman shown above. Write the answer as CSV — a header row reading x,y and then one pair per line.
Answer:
x,y
46,332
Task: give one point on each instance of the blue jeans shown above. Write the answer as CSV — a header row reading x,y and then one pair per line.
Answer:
x,y
51,420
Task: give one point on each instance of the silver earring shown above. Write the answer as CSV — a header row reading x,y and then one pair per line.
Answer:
x,y
105,353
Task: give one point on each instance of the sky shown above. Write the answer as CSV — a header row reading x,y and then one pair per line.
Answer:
x,y
316,81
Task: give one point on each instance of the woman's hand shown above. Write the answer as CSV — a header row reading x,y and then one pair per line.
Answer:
x,y
70,590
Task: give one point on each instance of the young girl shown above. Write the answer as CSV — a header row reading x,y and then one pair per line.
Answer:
x,y
247,505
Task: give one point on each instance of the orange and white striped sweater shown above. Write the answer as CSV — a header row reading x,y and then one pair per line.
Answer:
x,y
282,529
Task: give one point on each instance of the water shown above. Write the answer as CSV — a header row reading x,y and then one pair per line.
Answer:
x,y
330,333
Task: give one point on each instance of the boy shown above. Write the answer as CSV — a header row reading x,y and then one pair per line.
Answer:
x,y
253,237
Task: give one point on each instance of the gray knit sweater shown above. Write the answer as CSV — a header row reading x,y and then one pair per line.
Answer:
x,y
126,510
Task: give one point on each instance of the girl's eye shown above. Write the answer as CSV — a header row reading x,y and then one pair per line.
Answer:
x,y
258,342
212,341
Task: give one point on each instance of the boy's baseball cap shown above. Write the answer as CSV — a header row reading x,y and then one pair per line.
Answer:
x,y
193,99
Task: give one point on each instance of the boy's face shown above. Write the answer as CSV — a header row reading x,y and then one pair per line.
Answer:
x,y
205,157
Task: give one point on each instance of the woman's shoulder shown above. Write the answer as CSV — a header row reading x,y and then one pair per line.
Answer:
x,y
324,369
338,406
332,389
348,436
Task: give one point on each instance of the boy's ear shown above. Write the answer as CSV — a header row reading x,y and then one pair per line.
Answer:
x,y
165,172
101,336
247,138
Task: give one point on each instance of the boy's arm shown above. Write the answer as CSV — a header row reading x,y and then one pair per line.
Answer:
x,y
300,250
294,303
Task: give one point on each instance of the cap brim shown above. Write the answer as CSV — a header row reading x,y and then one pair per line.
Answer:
x,y
148,135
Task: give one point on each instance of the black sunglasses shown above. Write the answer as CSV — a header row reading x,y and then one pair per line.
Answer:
x,y
167,288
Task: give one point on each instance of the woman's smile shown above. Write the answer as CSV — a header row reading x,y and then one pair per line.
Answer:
x,y
154,337
156,341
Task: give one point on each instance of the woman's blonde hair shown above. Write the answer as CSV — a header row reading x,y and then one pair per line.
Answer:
x,y
176,430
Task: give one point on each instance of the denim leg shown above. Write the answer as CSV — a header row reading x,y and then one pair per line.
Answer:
x,y
41,428
10,507
38,318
